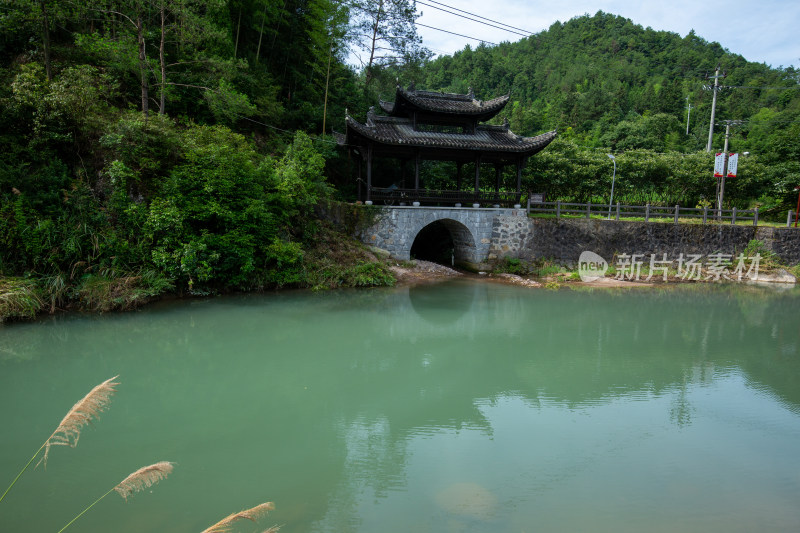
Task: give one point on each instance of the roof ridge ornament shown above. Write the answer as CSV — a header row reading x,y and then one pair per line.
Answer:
x,y
471,93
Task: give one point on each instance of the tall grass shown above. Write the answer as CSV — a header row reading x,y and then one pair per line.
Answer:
x,y
252,514
19,298
69,430
111,289
141,479
55,290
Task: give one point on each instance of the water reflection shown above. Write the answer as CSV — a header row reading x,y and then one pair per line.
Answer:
x,y
460,406
442,303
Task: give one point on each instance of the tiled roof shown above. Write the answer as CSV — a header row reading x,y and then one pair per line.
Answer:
x,y
445,103
400,132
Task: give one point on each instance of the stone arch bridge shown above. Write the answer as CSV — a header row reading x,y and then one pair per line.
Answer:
x,y
478,234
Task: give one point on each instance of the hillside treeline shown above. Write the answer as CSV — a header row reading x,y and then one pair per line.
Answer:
x,y
611,86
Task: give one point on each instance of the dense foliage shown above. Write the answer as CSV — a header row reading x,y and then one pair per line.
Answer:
x,y
611,86
155,145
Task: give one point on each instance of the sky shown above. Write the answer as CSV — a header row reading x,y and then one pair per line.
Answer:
x,y
763,32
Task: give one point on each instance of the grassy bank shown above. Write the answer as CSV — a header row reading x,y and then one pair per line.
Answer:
x,y
332,261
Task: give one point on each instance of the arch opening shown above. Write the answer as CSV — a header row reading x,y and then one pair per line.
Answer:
x,y
444,241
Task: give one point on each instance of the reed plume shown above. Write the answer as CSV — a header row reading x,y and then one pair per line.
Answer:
x,y
141,479
144,477
252,514
69,430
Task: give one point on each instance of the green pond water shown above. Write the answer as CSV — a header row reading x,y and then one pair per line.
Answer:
x,y
457,406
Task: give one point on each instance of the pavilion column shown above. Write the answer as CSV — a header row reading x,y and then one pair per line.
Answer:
x,y
459,166
358,163
521,161
369,172
496,181
477,174
416,170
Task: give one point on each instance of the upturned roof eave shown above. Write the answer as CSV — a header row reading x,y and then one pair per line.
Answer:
x,y
421,101
516,144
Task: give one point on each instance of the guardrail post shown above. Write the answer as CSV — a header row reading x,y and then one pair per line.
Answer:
x,y
529,204
647,212
705,213
617,210
733,217
755,217
677,210
558,209
588,209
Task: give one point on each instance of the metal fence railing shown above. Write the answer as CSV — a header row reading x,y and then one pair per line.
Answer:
x,y
646,212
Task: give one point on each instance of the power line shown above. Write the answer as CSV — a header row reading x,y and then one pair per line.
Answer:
x,y
457,34
755,87
473,19
526,32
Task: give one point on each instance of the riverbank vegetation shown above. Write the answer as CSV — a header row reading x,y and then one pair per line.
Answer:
x,y
154,147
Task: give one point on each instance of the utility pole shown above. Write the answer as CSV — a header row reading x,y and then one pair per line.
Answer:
x,y
715,88
721,184
688,113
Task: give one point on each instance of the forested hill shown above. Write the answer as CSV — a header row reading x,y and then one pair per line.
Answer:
x,y
149,146
608,82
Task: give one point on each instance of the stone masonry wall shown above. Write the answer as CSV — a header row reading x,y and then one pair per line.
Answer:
x,y
489,234
563,240
397,227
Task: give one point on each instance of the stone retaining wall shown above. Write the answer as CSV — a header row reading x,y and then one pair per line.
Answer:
x,y
563,240
482,235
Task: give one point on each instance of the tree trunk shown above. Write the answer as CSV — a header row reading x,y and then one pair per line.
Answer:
x,y
143,65
238,29
327,81
261,32
374,43
161,59
46,38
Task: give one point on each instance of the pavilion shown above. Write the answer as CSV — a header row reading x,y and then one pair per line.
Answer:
x,y
437,126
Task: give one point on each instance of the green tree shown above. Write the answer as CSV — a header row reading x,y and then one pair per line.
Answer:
x,y
384,32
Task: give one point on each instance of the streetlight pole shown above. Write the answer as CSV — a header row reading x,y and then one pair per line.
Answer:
x,y
613,177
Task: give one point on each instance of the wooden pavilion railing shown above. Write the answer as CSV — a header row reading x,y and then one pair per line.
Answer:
x,y
395,196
